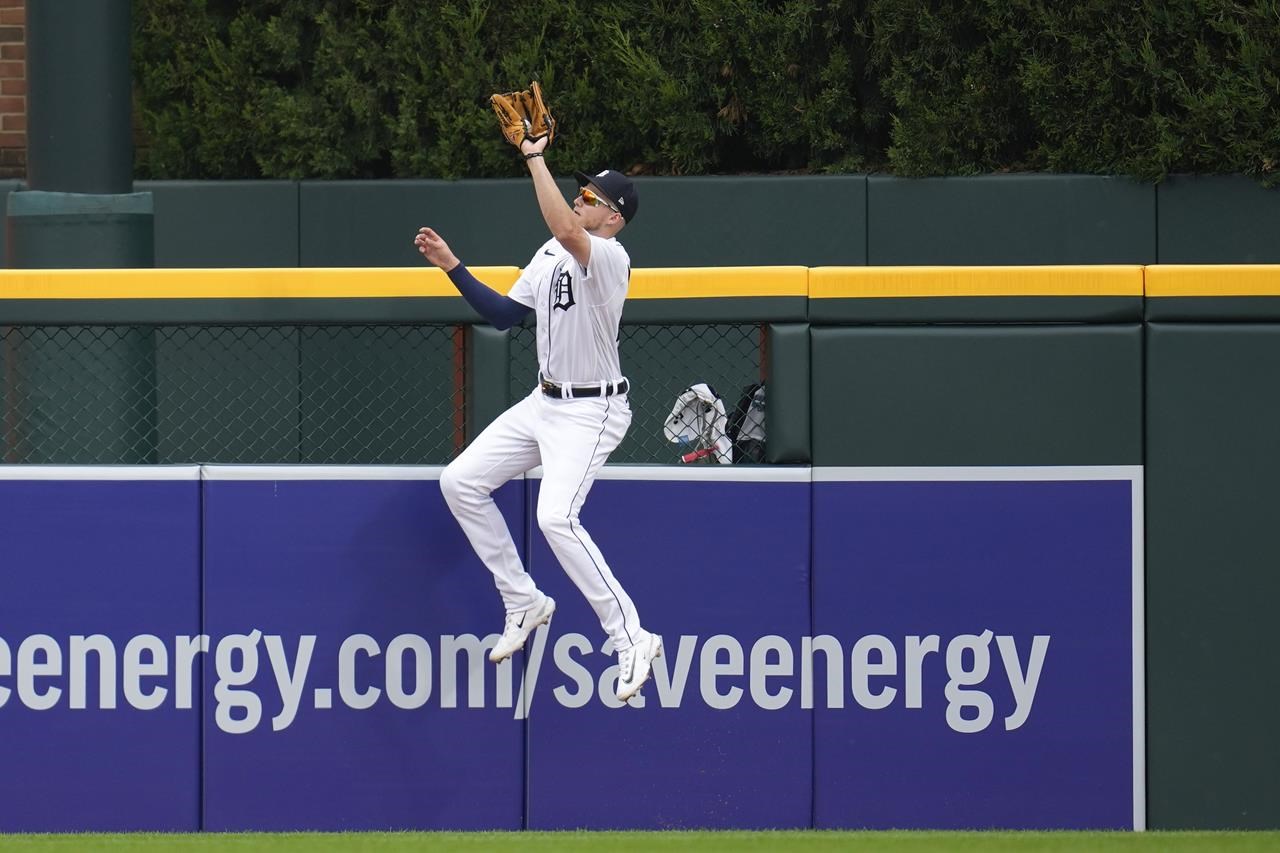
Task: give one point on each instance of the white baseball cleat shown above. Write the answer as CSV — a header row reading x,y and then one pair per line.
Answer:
x,y
635,665
519,626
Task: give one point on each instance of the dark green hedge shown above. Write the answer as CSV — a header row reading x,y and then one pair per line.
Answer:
x,y
399,88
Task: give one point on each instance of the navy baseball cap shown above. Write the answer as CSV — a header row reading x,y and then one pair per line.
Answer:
x,y
616,187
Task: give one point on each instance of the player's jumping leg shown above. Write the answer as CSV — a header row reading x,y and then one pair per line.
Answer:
x,y
503,450
577,438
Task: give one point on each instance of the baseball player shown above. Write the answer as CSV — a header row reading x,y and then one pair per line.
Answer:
x,y
576,284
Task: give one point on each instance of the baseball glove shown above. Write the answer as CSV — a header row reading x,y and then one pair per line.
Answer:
x,y
524,115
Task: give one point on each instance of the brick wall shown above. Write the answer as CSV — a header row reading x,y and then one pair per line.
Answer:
x,y
13,88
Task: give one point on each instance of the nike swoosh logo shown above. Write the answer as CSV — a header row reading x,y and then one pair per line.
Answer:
x,y
548,252
520,624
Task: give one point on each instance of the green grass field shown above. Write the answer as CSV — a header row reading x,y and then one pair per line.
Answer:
x,y
700,842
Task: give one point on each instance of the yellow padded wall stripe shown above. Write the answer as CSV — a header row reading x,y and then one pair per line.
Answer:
x,y
310,282
884,282
718,282
288,282
656,283
1213,280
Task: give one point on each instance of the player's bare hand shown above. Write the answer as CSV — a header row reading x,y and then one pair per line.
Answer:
x,y
435,249
534,146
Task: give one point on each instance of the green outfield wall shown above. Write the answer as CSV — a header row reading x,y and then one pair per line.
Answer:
x,y
1112,360
1212,464
810,220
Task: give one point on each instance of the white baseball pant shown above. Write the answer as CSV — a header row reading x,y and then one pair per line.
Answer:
x,y
571,439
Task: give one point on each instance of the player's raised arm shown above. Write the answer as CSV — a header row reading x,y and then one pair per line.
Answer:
x,y
528,125
565,223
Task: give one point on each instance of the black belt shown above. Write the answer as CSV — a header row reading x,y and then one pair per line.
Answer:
x,y
569,392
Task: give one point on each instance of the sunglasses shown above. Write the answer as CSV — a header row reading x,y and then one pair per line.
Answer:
x,y
590,198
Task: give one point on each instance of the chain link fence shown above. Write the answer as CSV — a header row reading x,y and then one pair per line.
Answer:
x,y
661,363
312,394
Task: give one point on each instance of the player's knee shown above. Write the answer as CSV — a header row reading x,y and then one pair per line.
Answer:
x,y
554,522
459,490
452,487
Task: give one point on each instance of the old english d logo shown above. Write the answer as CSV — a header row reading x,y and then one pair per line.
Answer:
x,y
563,291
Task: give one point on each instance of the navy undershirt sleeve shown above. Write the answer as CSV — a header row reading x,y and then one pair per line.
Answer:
x,y
500,310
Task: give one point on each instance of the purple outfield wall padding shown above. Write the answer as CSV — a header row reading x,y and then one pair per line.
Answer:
x,y
344,617
719,567
988,623
99,576
971,658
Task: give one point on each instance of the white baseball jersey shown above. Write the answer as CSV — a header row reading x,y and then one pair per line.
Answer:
x,y
578,309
